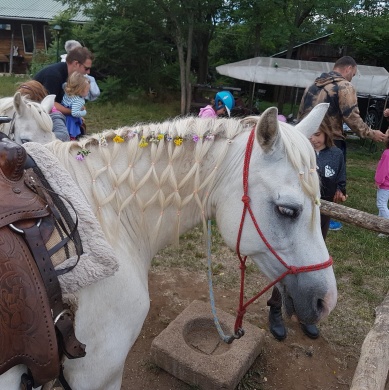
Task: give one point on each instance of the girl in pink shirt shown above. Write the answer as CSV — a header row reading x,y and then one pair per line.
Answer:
x,y
382,183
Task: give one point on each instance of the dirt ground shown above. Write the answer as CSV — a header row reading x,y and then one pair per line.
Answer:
x,y
297,363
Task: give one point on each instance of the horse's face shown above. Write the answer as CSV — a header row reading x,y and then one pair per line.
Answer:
x,y
32,123
285,213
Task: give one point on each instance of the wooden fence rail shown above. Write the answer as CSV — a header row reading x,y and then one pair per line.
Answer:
x,y
355,217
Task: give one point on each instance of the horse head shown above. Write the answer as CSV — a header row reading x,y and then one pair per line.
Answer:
x,y
30,120
280,227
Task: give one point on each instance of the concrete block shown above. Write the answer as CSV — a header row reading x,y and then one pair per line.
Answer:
x,y
190,349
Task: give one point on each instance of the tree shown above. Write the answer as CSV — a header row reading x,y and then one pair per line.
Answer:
x,y
365,29
129,45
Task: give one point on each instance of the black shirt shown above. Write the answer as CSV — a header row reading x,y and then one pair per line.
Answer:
x,y
52,77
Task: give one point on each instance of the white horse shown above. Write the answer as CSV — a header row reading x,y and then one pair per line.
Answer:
x,y
30,120
150,183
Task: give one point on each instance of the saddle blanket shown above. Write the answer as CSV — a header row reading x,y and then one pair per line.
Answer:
x,y
98,260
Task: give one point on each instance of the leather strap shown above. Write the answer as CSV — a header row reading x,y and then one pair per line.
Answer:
x,y
63,318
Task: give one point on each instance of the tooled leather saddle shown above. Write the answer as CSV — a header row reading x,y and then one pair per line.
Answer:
x,y
36,326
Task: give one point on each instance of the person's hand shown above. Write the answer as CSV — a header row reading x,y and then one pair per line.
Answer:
x,y
340,197
386,112
378,136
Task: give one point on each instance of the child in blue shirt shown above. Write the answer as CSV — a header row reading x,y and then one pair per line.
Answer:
x,y
76,89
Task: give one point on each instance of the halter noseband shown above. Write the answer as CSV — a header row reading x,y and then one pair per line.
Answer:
x,y
290,269
11,131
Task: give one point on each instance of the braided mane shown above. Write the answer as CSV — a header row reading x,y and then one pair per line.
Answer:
x,y
157,153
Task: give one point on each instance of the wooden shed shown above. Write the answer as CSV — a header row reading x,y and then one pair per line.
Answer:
x,y
24,28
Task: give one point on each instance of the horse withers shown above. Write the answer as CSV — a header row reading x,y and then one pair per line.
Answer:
x,y
148,184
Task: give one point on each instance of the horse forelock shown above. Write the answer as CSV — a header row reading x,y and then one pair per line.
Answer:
x,y
42,118
302,157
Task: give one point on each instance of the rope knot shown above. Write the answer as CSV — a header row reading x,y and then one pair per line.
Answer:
x,y
246,199
241,312
293,270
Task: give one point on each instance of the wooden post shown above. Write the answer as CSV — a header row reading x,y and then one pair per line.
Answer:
x,y
355,217
373,366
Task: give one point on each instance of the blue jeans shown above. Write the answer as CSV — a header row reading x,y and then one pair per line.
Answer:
x,y
382,203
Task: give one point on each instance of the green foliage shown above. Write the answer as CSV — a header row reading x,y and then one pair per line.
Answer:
x,y
128,44
41,58
363,28
111,89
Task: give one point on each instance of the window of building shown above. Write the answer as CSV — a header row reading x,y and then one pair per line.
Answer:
x,y
28,38
49,38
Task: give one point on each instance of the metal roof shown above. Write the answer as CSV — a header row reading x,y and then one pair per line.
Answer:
x,y
39,10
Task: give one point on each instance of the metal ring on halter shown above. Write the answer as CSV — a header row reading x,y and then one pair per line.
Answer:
x,y
65,311
20,231
239,333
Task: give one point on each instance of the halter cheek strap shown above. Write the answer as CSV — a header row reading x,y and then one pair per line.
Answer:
x,y
290,269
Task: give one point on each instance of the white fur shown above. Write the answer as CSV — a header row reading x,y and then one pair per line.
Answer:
x,y
144,196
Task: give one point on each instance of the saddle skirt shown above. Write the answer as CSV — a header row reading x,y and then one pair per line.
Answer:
x,y
27,333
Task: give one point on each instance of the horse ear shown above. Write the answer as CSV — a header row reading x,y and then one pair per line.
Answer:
x,y
312,121
48,103
267,129
19,103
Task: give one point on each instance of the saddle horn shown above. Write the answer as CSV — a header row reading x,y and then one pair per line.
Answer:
x,y
12,159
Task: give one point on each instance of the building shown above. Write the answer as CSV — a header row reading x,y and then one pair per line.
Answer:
x,y
317,49
24,28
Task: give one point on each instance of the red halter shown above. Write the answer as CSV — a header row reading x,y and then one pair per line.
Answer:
x,y
289,269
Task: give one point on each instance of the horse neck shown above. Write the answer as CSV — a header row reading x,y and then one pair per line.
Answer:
x,y
156,193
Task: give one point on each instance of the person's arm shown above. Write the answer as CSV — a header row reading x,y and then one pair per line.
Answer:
x,y
94,90
64,110
78,109
348,105
340,195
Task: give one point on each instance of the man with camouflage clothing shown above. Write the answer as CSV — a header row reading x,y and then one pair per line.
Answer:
x,y
336,89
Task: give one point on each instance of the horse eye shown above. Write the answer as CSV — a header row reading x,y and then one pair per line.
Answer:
x,y
23,141
288,212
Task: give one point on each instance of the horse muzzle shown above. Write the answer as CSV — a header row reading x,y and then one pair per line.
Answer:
x,y
310,299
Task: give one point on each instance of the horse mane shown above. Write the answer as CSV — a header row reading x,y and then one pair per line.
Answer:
x,y
36,111
175,138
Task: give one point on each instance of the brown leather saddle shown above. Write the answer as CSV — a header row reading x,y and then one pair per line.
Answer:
x,y
36,326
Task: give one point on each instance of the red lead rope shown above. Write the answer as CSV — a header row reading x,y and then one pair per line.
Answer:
x,y
289,269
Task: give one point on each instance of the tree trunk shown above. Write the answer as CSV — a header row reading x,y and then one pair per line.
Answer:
x,y
355,217
188,92
202,54
181,60
373,365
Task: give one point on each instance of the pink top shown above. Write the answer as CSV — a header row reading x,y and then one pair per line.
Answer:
x,y
382,173
207,112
